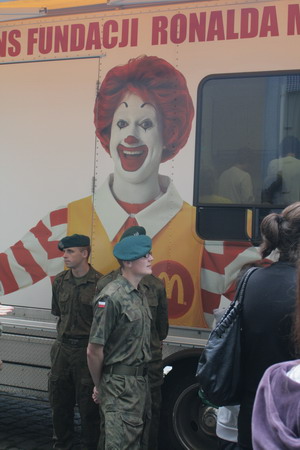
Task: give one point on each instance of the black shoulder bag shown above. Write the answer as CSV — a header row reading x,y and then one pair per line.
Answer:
x,y
219,366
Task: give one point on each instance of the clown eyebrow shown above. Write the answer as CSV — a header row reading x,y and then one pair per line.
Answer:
x,y
142,106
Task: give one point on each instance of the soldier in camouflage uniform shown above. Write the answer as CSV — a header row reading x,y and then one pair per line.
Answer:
x,y
69,379
157,301
119,350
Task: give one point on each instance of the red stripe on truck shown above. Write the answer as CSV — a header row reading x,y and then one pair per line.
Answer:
x,y
26,260
42,233
6,276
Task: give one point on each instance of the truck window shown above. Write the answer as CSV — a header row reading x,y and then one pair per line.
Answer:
x,y
247,148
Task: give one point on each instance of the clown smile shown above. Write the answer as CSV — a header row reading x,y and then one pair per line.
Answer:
x,y
132,158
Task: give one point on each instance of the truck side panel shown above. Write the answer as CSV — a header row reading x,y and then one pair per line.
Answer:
x,y
53,168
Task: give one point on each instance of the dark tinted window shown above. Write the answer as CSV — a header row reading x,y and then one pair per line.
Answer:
x,y
248,141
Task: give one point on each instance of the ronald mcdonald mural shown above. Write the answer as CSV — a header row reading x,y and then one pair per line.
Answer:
x,y
143,115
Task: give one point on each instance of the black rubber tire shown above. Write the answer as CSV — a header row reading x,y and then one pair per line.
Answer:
x,y
186,423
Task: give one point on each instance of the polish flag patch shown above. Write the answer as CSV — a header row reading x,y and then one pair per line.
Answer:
x,y
101,304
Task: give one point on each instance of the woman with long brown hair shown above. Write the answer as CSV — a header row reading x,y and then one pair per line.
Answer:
x,y
268,310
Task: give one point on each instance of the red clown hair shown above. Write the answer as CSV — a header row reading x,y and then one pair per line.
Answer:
x,y
155,80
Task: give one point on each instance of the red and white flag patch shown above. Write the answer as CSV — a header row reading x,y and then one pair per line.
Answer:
x,y
101,304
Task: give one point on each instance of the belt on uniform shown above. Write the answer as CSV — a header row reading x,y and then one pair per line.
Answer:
x,y
75,341
123,369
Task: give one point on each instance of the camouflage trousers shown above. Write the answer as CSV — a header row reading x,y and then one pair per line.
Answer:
x,y
125,408
70,383
155,375
155,417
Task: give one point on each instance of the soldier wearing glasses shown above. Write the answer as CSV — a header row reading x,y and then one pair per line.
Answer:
x,y
119,349
157,301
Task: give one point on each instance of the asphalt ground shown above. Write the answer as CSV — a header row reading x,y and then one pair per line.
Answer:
x,y
26,424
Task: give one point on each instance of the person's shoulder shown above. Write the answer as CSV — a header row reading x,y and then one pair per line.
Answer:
x,y
225,173
95,272
114,289
60,276
276,276
286,267
280,369
152,281
104,280
59,280
275,162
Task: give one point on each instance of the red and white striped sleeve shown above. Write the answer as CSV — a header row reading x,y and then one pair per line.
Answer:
x,y
221,264
36,255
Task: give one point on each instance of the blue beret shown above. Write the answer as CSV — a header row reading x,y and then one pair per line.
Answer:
x,y
76,240
133,247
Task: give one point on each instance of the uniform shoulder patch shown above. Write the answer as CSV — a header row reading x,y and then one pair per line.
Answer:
x,y
101,302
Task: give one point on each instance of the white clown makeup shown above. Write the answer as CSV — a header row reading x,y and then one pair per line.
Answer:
x,y
136,142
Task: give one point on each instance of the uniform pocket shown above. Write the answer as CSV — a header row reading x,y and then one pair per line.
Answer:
x,y
123,431
133,314
54,352
133,429
115,387
132,421
135,326
64,303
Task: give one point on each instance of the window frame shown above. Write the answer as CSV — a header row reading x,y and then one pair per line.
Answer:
x,y
236,215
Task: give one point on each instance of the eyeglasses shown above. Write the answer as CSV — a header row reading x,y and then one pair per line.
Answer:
x,y
147,255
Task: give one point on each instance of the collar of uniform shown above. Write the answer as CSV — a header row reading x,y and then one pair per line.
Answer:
x,y
89,277
125,284
145,282
154,217
128,286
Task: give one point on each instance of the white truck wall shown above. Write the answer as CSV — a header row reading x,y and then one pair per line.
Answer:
x,y
47,135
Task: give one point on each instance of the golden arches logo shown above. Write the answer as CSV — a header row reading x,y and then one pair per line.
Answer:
x,y
170,284
179,286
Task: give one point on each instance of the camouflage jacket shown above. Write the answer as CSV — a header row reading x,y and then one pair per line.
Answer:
x,y
158,304
122,324
72,302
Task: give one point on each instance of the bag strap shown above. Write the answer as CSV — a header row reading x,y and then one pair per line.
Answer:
x,y
239,296
236,306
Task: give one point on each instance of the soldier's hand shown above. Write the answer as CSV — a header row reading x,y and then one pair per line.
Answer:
x,y
96,395
5,310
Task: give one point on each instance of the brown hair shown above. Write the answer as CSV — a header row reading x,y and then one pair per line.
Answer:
x,y
282,232
87,248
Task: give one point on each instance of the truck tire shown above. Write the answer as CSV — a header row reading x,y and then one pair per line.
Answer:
x,y
186,423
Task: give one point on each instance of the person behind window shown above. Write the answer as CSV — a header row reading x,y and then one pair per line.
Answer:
x,y
208,187
275,420
235,183
283,175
